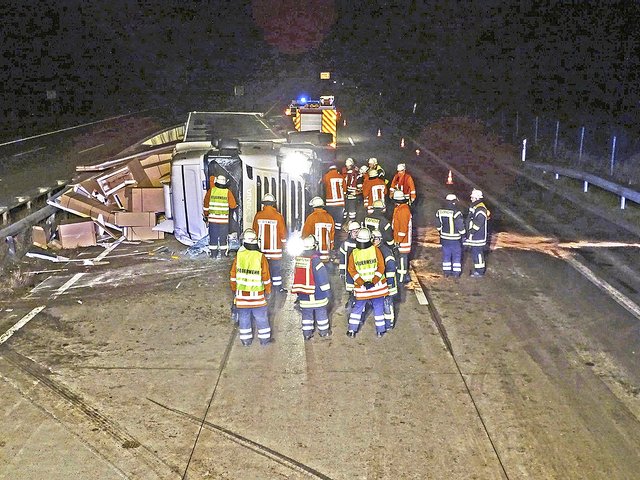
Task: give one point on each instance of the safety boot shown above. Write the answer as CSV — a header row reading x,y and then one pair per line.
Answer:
x,y
351,334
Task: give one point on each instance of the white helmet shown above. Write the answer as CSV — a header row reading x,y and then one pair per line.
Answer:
x,y
451,197
353,225
249,237
398,196
309,243
316,202
364,235
401,167
349,162
268,198
221,180
373,173
476,195
378,204
333,167
373,161
364,169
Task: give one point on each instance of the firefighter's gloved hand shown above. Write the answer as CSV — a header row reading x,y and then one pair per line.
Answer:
x,y
368,285
205,219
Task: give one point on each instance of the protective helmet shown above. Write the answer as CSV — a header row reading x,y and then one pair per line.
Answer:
x,y
268,198
398,196
333,167
476,195
376,234
373,161
309,243
401,167
349,162
451,197
363,239
364,169
220,181
353,225
378,204
373,173
249,237
316,202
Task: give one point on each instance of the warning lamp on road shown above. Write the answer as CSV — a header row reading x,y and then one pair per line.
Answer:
x,y
402,143
379,133
344,122
449,178
417,152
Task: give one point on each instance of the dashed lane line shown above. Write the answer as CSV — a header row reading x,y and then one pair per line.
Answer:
x,y
91,148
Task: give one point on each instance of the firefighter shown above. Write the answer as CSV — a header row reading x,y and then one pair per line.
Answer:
x,y
334,186
366,266
353,187
403,182
218,203
477,232
390,274
269,224
345,251
320,224
311,284
377,219
348,164
450,225
374,165
374,189
402,223
251,282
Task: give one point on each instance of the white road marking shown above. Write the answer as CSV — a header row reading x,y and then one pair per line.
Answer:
x,y
351,141
420,295
29,151
67,285
91,148
21,323
109,249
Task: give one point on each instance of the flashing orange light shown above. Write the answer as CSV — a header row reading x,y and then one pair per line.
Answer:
x,y
379,133
402,143
449,178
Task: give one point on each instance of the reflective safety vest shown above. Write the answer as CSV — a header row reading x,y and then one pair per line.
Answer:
x,y
450,224
249,271
272,232
334,187
311,281
365,262
402,225
303,280
375,189
477,226
219,205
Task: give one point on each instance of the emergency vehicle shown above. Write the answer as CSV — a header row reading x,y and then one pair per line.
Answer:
x,y
318,115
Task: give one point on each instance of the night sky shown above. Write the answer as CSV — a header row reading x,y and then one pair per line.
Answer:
x,y
570,57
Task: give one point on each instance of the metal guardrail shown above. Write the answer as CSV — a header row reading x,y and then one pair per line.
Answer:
x,y
587,178
38,197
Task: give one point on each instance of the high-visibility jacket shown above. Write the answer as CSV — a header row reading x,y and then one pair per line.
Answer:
x,y
374,189
367,265
217,204
334,187
402,225
311,281
353,183
377,220
404,182
345,252
477,224
269,224
450,223
320,224
390,268
250,278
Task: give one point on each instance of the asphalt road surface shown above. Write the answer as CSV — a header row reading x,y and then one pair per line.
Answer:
x,y
133,368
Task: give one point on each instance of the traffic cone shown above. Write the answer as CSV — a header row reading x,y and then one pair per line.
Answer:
x,y
417,152
379,133
344,122
449,178
402,143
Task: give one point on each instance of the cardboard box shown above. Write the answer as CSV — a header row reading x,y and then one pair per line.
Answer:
x,y
87,207
77,234
135,219
115,179
39,236
142,233
145,199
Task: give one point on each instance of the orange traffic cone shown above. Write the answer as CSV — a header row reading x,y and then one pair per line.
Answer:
x,y
417,152
402,143
379,133
449,178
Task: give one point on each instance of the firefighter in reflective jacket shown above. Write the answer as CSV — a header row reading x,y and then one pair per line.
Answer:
x,y
311,284
374,189
377,220
334,186
477,232
402,224
450,225
218,203
403,182
353,189
251,283
374,165
345,251
366,266
321,225
269,224
390,274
